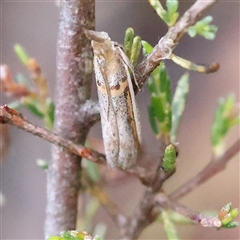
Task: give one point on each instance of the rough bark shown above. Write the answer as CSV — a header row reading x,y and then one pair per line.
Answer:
x,y
74,74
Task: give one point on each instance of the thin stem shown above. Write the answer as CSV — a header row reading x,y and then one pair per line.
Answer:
x,y
214,166
10,116
145,213
143,216
162,201
167,43
192,66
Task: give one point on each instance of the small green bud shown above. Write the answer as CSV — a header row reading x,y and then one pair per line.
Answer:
x,y
169,159
136,48
227,219
234,212
128,41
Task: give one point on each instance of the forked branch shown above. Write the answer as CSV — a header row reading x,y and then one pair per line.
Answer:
x,y
12,117
167,43
215,166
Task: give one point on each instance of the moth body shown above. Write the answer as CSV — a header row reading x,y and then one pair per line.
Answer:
x,y
119,114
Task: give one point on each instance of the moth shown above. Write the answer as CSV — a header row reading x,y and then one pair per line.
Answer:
x,y
118,109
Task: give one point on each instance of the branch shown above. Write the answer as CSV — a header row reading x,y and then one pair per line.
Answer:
x,y
142,217
151,204
146,214
89,113
215,166
12,117
167,43
73,88
162,201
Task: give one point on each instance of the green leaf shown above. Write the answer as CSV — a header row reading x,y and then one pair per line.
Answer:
x,y
160,107
132,46
50,112
227,208
151,85
234,212
226,216
226,220
73,235
172,6
157,6
225,118
152,120
128,41
169,226
55,238
178,104
208,35
192,32
170,16
232,224
93,171
135,51
69,235
147,48
156,103
203,28
32,106
21,54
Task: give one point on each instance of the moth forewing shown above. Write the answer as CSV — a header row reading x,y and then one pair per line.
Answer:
x,y
118,110
127,66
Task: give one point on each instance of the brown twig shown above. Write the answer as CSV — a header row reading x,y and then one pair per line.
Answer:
x,y
215,166
162,201
142,217
10,116
145,213
167,43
